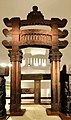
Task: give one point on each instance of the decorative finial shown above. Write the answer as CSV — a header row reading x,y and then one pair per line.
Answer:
x,y
35,14
35,8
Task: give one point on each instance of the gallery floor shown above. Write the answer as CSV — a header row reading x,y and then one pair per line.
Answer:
x,y
33,112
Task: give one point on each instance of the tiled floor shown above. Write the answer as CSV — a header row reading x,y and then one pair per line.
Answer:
x,y
33,112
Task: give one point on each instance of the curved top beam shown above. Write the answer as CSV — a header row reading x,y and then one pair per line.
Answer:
x,y
60,23
61,44
35,17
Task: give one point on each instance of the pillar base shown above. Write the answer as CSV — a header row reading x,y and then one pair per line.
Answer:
x,y
61,115
17,113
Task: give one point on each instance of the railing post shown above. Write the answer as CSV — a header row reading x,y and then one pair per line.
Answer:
x,y
37,91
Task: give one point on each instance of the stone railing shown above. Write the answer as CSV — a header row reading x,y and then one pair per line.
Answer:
x,y
35,60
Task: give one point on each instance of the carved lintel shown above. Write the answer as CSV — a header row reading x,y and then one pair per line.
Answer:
x,y
9,22
57,21
9,33
35,17
39,37
43,44
58,32
43,22
62,44
54,55
60,23
15,56
6,32
7,44
62,34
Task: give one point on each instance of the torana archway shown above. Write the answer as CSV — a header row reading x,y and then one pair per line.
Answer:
x,y
34,38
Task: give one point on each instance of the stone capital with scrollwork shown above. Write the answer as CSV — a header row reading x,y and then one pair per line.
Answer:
x,y
55,54
15,56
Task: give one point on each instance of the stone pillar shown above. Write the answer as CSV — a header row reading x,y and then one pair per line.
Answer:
x,y
15,103
55,56
37,91
2,97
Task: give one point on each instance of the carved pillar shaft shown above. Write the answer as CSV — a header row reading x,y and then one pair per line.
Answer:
x,y
55,56
15,86
55,85
15,81
37,91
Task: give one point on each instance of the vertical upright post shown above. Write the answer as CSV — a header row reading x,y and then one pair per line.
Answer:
x,y
37,91
15,106
15,57
55,56
55,80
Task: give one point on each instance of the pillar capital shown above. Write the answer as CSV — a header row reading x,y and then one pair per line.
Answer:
x,y
55,54
15,56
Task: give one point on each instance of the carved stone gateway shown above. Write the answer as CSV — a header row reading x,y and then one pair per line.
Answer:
x,y
35,38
